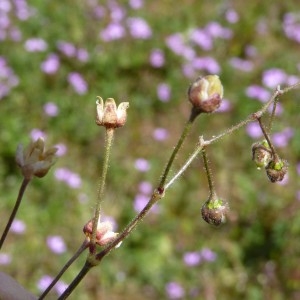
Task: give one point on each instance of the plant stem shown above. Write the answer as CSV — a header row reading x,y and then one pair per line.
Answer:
x,y
85,269
208,173
184,134
25,182
108,143
63,270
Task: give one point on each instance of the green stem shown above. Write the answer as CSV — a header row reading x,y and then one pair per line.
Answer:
x,y
208,173
184,134
108,143
63,270
15,209
85,269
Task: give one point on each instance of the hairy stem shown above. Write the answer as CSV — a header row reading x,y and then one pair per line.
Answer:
x,y
108,143
25,182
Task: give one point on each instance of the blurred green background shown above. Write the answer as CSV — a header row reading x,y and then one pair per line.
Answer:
x,y
57,56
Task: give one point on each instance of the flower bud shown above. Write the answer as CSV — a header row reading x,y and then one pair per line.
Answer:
x,y
108,115
214,210
276,169
261,154
206,94
35,160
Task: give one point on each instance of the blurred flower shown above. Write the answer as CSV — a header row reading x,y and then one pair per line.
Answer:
x,y
61,149
278,110
216,30
258,92
146,188
273,77
142,165
136,4
201,38
78,83
82,55
241,64
176,43
7,78
157,58
51,109
18,226
192,258
117,12
113,31
68,49
225,106
44,282
37,133
232,16
5,259
281,139
174,290
139,28
291,26
160,134
140,202
208,255
56,244
163,92
22,10
109,115
60,287
253,130
206,63
35,160
35,45
72,179
298,168
51,64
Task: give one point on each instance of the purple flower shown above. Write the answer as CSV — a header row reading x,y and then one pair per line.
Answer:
x,y
51,64
160,134
258,92
113,31
78,83
35,45
281,139
68,49
142,165
5,259
61,149
140,202
60,287
117,13
208,255
7,78
37,133
273,77
253,130
225,106
201,38
56,244
291,26
145,187
163,92
82,55
73,180
215,30
241,64
51,109
206,63
157,58
232,16
136,4
139,28
18,226
44,282
174,290
192,258
175,43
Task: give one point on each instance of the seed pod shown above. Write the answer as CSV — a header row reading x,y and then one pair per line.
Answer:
x,y
276,169
214,210
261,154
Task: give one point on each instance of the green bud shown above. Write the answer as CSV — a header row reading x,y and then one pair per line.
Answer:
x,y
276,169
261,154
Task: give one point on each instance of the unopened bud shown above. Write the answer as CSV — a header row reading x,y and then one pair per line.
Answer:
x,y
261,154
276,169
206,94
214,210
